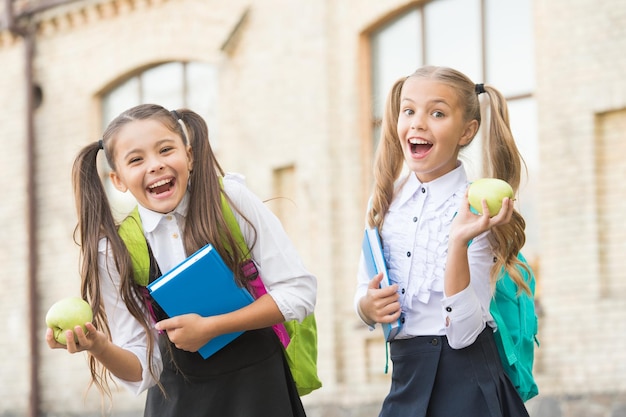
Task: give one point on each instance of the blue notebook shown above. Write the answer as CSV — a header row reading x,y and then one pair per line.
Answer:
x,y
204,285
375,263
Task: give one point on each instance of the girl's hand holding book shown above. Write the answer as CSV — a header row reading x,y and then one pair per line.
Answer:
x,y
188,331
380,305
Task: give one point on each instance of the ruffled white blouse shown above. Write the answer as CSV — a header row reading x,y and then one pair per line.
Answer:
x,y
415,239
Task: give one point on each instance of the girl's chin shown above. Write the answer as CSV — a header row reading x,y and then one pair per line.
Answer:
x,y
161,208
162,204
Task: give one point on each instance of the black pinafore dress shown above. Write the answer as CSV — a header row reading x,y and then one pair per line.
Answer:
x,y
249,377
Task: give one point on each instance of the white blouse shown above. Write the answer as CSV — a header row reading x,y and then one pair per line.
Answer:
x,y
290,284
415,238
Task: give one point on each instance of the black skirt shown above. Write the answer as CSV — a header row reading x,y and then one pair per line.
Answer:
x,y
430,379
249,377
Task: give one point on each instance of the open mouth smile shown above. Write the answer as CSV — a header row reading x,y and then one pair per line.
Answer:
x,y
161,186
419,146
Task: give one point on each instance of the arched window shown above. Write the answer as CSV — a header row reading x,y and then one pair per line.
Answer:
x,y
172,85
491,41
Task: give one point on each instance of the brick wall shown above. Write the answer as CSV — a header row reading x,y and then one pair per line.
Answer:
x,y
14,367
291,94
581,101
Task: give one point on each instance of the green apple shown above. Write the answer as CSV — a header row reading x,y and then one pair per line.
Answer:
x,y
66,314
491,189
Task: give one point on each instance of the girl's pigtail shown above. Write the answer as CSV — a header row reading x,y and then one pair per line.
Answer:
x,y
96,221
206,222
388,159
91,205
505,162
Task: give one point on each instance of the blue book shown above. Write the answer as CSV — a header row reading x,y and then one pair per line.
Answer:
x,y
204,285
375,264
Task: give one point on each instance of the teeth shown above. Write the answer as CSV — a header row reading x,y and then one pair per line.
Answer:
x,y
418,142
159,183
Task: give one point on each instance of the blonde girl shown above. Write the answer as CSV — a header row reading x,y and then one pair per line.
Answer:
x,y
442,258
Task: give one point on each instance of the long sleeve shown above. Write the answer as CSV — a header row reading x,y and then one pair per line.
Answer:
x,y
468,311
126,331
291,285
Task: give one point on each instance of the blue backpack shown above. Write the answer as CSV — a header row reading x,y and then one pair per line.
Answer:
x,y
515,315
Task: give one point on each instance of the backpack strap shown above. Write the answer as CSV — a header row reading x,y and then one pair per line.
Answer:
x,y
248,267
232,224
131,232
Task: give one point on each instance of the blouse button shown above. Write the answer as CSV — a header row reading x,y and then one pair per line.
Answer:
x,y
408,254
448,309
168,217
414,219
402,320
423,190
175,235
403,291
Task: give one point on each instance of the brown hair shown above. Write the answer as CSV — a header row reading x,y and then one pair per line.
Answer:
x,y
502,160
204,221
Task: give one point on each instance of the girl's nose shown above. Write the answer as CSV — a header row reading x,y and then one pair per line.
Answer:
x,y
417,122
156,165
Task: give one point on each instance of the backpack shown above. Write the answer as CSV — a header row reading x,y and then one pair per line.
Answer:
x,y
301,350
516,335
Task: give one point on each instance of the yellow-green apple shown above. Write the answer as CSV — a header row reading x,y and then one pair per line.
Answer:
x,y
66,314
493,190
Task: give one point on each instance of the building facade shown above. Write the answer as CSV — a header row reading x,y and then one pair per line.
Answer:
x,y
292,92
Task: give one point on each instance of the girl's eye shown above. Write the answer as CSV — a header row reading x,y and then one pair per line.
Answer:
x,y
408,112
166,149
437,114
134,160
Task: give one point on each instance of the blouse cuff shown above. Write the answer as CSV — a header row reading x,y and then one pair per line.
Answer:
x,y
463,317
460,305
147,380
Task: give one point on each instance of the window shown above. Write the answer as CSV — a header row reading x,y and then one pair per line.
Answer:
x,y
490,41
611,229
172,85
396,52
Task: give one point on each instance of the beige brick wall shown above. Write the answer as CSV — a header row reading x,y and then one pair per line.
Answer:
x,y
580,76
14,366
291,95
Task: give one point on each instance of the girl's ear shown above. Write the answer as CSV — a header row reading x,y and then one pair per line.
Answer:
x,y
471,128
117,182
189,159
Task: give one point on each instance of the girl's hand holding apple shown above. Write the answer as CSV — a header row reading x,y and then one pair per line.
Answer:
x,y
467,224
69,326
92,340
490,190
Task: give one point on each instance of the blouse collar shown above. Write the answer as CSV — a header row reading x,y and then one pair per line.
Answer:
x,y
439,189
150,219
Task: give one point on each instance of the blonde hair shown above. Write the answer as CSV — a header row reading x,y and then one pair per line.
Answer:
x,y
502,160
